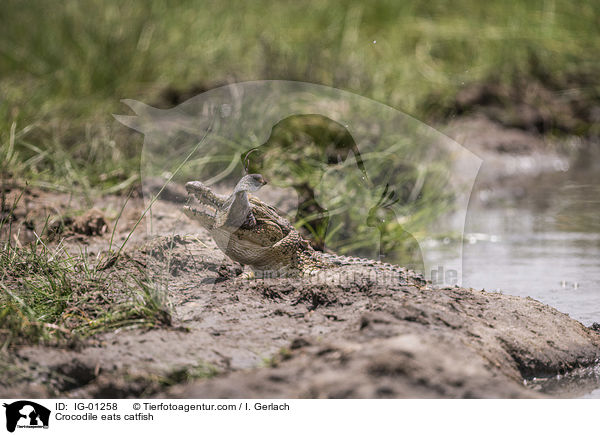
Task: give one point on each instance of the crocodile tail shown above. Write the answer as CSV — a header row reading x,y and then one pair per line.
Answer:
x,y
343,260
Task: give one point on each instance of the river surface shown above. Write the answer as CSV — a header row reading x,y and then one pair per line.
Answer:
x,y
545,244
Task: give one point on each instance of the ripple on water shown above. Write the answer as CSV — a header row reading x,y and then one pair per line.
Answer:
x,y
546,246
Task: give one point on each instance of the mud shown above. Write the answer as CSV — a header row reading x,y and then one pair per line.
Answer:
x,y
512,159
294,337
565,105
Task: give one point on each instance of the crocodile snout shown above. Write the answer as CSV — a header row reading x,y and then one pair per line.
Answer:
x,y
195,186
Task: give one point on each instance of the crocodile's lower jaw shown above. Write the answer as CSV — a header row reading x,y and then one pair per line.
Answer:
x,y
205,218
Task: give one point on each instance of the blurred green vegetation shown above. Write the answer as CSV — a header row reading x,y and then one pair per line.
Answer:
x,y
65,65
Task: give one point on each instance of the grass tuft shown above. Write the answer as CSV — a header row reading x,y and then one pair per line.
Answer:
x,y
48,295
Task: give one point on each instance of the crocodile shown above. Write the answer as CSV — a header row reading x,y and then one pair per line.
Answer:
x,y
253,233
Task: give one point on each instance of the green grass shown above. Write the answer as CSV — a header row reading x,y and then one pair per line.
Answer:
x,y
48,296
65,66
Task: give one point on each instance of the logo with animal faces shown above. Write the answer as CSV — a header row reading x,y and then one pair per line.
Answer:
x,y
25,414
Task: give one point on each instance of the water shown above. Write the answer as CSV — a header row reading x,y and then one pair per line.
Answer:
x,y
557,268
545,245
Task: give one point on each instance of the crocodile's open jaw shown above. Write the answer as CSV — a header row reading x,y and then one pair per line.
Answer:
x,y
200,210
204,207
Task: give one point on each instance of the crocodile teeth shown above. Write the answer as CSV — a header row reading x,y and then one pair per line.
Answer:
x,y
205,211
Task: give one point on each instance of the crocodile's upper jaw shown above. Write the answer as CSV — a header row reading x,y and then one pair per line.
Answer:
x,y
206,205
